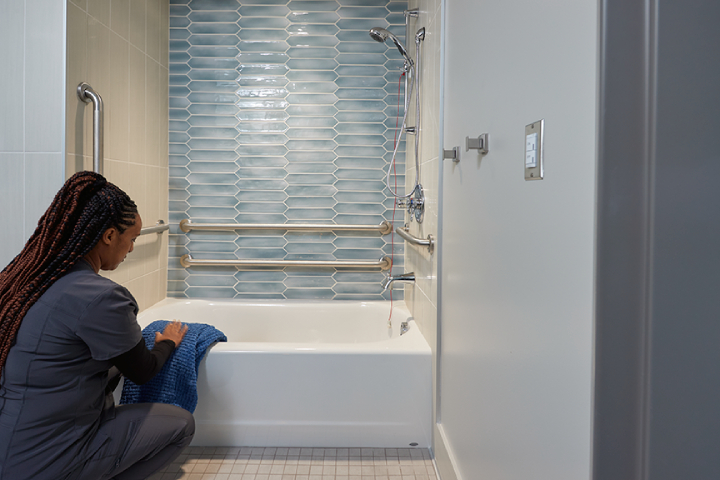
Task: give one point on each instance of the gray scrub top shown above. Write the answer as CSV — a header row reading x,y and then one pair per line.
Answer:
x,y
52,392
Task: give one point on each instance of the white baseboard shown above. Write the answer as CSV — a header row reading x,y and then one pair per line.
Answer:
x,y
445,463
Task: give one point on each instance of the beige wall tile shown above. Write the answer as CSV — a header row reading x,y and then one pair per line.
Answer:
x,y
116,104
150,247
137,24
73,163
152,42
134,88
164,186
163,116
135,265
164,33
77,115
82,4
152,112
118,173
120,17
162,280
152,195
98,64
136,105
136,186
136,288
153,287
100,10
419,260
121,274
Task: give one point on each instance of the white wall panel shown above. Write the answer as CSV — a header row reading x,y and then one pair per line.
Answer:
x,y
32,83
517,256
43,178
12,37
11,206
44,76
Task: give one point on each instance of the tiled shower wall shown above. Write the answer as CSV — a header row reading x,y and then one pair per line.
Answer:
x,y
421,298
283,112
120,49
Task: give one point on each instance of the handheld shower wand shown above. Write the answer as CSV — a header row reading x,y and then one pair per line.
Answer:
x,y
379,34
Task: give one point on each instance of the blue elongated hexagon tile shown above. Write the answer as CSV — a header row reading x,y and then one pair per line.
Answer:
x,y
282,112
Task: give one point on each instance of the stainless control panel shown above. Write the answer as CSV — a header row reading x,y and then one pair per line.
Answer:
x,y
534,150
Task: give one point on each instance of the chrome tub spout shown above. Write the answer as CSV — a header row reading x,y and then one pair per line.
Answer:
x,y
403,278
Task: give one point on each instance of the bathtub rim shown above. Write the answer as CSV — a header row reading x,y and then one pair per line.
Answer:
x,y
410,343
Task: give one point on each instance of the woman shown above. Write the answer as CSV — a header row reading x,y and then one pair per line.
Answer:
x,y
63,327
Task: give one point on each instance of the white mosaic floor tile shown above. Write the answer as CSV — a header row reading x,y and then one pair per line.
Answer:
x,y
257,463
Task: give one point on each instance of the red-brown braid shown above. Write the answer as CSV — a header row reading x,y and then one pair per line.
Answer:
x,y
82,210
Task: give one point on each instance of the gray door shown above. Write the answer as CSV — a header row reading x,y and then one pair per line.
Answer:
x,y
657,365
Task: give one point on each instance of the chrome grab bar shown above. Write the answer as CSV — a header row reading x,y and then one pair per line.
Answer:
x,y
159,227
404,232
87,95
385,263
384,228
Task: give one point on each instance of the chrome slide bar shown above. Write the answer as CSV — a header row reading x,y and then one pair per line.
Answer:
x,y
87,95
188,261
159,227
384,228
404,232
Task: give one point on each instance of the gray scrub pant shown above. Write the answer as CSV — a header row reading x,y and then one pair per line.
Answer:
x,y
141,439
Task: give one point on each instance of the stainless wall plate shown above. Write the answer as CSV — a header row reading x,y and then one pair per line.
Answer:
x,y
534,158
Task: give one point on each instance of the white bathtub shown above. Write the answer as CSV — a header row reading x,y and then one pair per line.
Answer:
x,y
308,374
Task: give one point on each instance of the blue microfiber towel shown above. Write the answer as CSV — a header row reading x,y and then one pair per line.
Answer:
x,y
176,383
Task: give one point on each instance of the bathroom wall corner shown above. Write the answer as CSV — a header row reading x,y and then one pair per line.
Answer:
x,y
127,72
421,297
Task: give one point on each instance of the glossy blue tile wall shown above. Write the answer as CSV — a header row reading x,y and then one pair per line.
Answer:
x,y
282,112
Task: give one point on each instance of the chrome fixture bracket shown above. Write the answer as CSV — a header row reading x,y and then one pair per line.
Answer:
x,y
480,144
453,154
411,13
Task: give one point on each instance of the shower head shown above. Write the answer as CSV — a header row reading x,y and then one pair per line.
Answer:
x,y
380,35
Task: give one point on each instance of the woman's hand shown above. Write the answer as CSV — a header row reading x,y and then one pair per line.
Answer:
x,y
174,331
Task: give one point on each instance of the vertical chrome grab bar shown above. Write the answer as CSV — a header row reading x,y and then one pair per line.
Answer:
x,y
87,95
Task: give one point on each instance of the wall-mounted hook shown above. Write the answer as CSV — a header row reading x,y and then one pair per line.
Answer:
x,y
480,143
453,154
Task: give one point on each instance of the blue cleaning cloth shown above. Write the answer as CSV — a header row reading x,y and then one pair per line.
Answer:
x,y
176,383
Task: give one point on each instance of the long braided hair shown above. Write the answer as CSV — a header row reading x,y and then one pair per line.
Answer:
x,y
84,208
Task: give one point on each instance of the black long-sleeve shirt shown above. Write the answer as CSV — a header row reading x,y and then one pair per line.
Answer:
x,y
140,364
